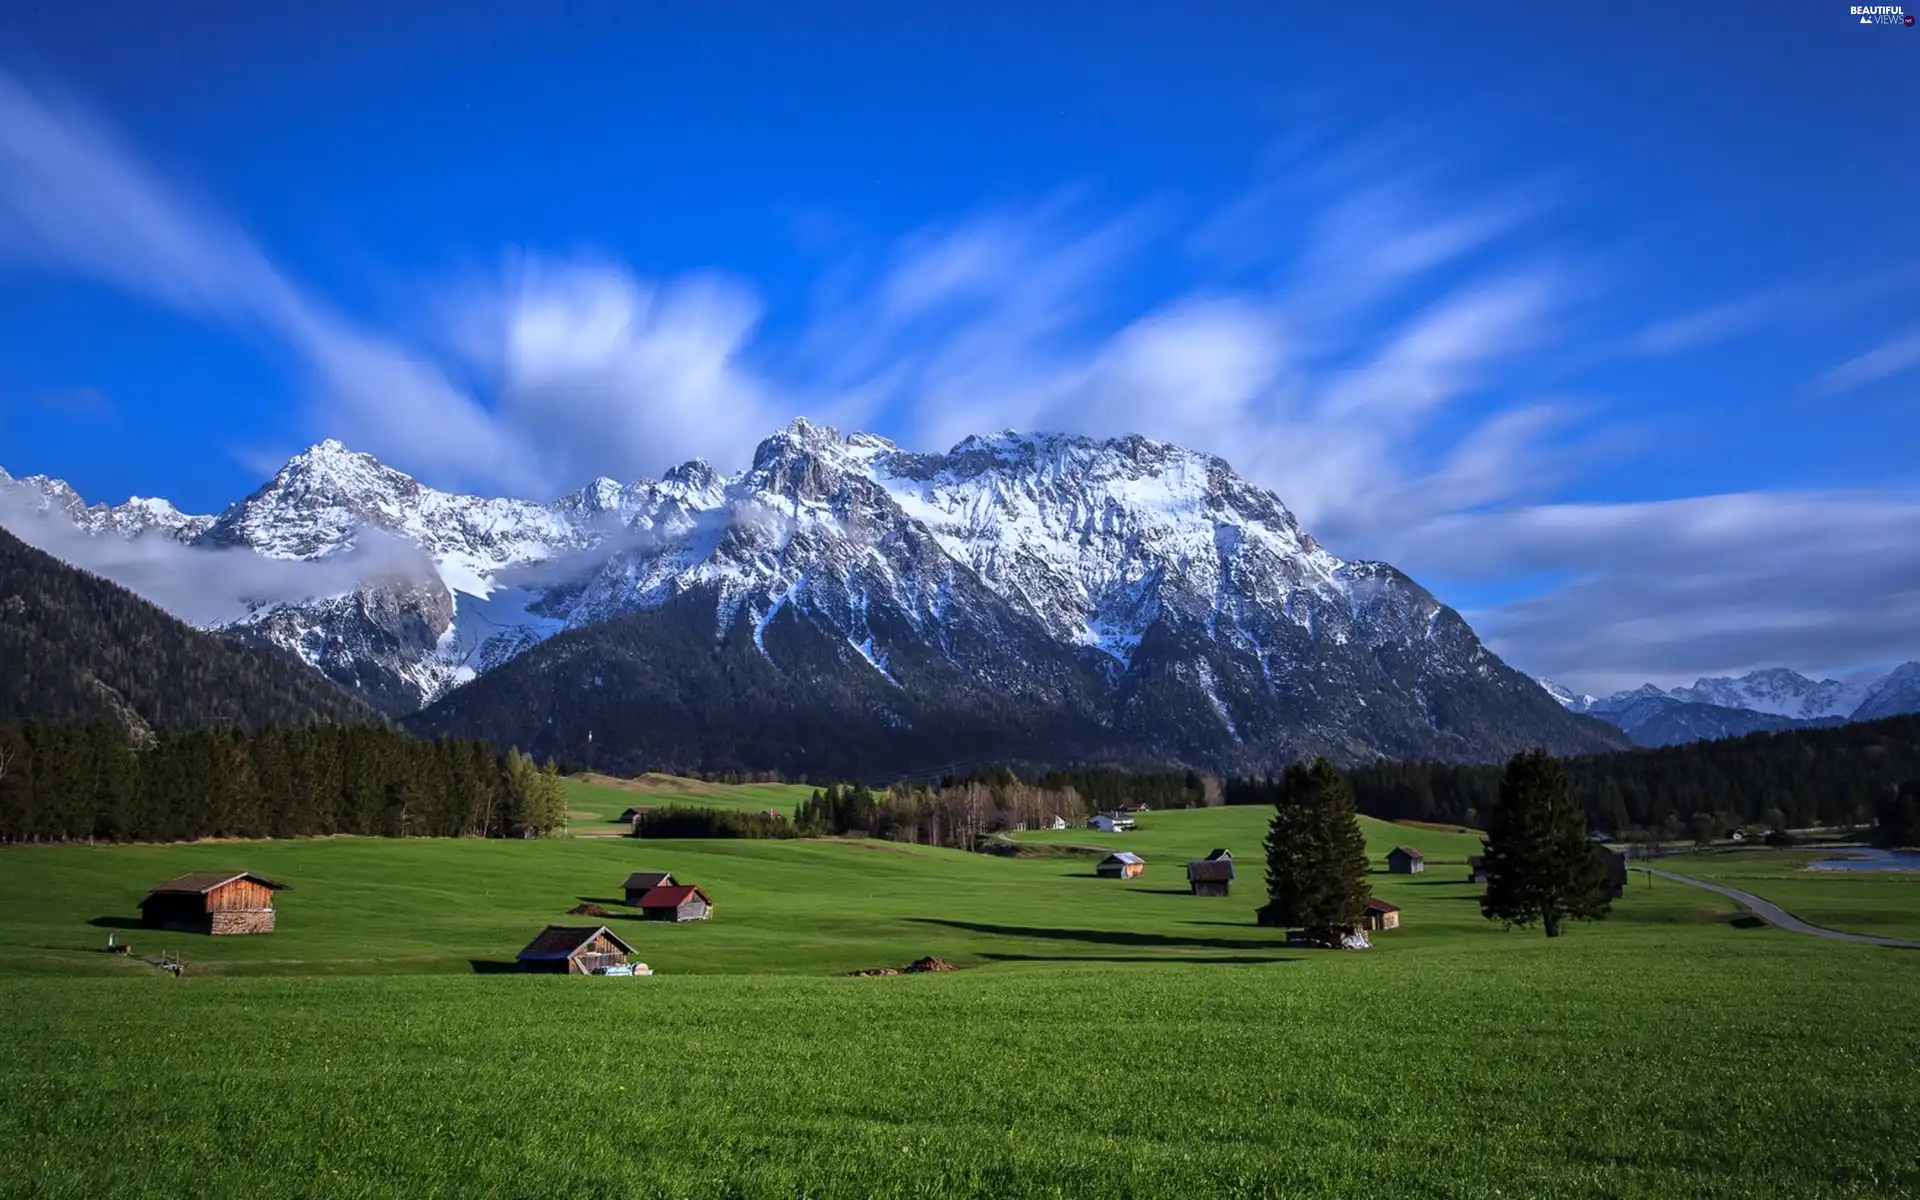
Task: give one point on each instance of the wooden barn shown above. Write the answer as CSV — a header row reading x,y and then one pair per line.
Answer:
x,y
1476,868
1616,861
676,902
1380,915
641,882
1210,876
1124,864
1406,860
574,950
635,813
216,902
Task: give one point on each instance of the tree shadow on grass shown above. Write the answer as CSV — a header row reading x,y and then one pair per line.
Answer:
x,y
1441,883
1108,937
608,902
1243,960
494,966
117,923
1172,892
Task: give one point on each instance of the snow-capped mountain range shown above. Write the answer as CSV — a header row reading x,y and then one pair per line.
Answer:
x,y
1764,700
1136,584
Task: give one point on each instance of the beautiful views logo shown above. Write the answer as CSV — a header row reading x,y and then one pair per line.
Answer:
x,y
1881,14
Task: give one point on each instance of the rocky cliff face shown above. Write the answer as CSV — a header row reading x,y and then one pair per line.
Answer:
x,y
1123,597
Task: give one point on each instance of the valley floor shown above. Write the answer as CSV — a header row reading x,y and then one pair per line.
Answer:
x,y
1109,1038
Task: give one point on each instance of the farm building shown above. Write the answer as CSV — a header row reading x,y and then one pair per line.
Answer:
x,y
1616,872
1380,915
1123,864
635,813
641,882
1476,869
676,902
1406,860
1210,876
216,902
1110,822
574,950
1057,823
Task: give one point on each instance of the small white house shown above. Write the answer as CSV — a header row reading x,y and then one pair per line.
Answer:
x,y
1057,823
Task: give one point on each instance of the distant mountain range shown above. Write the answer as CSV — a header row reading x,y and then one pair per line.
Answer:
x,y
1759,702
843,604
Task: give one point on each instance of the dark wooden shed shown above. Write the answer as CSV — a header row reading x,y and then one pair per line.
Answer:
x,y
641,882
1406,860
676,902
213,902
574,950
1210,876
1616,862
1477,868
1380,915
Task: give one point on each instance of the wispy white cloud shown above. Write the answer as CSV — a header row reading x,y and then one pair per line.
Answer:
x,y
1674,589
1896,357
212,586
1367,350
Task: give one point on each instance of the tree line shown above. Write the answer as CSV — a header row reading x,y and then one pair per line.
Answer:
x,y
84,781
1797,778
1540,865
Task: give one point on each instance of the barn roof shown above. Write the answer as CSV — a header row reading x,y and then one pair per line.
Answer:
x,y
1124,856
1219,855
1409,851
1210,870
560,941
1381,906
636,810
672,896
201,882
648,879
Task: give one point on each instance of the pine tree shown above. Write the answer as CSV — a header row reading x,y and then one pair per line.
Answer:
x,y
1316,854
1540,866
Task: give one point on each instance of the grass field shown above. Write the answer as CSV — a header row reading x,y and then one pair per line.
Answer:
x,y
1884,903
594,800
1111,1038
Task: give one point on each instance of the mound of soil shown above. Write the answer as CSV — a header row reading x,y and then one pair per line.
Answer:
x,y
591,910
923,965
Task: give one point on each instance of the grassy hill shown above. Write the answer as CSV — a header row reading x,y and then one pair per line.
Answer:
x,y
594,798
1111,1038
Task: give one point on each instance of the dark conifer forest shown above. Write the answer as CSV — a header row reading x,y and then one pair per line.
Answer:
x,y
83,780
75,646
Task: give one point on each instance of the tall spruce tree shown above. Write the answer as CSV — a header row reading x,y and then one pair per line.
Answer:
x,y
1316,854
1540,866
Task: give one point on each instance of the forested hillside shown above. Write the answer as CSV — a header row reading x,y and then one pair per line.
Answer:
x,y
74,646
1802,777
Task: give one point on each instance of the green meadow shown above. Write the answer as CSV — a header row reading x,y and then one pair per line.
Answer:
x,y
1103,1038
1882,903
595,802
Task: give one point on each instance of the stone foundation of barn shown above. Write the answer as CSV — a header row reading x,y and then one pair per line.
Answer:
x,y
242,920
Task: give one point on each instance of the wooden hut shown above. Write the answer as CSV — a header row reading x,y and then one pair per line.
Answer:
x,y
1124,864
1476,868
215,902
641,882
1616,861
574,950
676,902
635,813
1210,876
1406,860
1380,915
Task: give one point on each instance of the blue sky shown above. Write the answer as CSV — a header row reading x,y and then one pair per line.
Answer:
x,y
1604,323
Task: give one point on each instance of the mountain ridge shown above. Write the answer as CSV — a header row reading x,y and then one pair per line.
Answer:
x,y
1142,585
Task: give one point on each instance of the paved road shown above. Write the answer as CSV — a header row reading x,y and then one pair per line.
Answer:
x,y
1773,914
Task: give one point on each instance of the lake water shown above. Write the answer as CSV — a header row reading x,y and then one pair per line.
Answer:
x,y
1867,859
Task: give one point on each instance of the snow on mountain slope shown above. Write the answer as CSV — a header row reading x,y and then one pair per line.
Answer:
x,y
1144,587
1893,694
1776,691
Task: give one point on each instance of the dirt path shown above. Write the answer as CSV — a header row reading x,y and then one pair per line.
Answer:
x,y
1773,914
